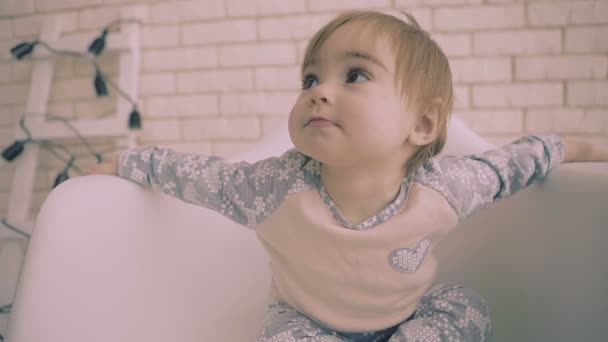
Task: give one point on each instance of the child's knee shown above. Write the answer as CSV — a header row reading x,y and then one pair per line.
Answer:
x,y
467,309
474,300
458,295
283,323
288,337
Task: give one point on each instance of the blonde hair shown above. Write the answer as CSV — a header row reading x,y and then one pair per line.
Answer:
x,y
423,71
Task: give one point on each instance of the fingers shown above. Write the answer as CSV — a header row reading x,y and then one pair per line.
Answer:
x,y
107,167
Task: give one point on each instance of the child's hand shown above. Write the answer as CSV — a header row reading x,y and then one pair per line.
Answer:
x,y
109,166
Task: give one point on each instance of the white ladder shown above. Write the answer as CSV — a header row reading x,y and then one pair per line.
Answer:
x,y
127,43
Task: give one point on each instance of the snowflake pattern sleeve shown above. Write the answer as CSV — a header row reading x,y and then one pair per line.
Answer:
x,y
246,193
474,182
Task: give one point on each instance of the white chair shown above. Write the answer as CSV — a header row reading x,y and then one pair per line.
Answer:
x,y
111,261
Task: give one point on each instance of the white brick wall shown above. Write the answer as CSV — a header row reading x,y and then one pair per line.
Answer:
x,y
561,67
6,29
215,80
157,84
257,103
567,12
344,5
258,54
455,44
291,27
477,70
479,18
264,7
587,39
160,36
518,95
234,128
217,75
180,59
518,42
184,11
230,30
97,17
181,106
588,93
275,78
567,121
16,7
5,73
491,121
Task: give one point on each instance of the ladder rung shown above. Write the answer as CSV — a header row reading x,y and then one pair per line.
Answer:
x,y
111,127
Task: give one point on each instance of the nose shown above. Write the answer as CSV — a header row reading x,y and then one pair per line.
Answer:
x,y
321,99
320,94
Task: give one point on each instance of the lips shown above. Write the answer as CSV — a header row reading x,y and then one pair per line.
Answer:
x,y
317,121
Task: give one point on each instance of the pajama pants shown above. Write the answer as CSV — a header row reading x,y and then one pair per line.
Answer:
x,y
445,313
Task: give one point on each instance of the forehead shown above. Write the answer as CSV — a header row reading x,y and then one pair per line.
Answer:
x,y
356,36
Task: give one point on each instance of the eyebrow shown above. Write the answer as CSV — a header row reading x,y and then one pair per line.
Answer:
x,y
366,56
357,54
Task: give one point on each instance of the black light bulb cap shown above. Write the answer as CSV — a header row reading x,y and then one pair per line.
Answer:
x,y
10,153
61,177
134,119
23,49
100,85
98,44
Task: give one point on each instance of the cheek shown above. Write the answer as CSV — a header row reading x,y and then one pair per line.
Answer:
x,y
379,125
381,113
295,119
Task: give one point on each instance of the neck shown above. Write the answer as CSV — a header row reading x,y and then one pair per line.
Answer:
x,y
361,192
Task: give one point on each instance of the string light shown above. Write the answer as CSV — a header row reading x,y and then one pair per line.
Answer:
x,y
63,175
23,49
134,119
11,152
100,79
5,309
100,84
96,47
98,44
16,230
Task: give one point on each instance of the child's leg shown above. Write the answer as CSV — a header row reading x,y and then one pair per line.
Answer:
x,y
285,324
447,313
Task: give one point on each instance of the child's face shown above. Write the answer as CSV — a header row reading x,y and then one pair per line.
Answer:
x,y
349,111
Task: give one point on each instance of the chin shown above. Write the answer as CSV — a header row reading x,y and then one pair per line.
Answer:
x,y
314,152
319,149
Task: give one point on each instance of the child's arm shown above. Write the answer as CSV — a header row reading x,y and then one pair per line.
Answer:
x,y
585,151
474,182
240,191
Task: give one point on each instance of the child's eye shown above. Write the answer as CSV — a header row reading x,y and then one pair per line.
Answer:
x,y
309,81
356,75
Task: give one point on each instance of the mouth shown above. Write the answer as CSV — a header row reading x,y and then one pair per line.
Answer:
x,y
317,121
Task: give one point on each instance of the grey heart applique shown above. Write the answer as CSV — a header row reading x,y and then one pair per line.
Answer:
x,y
407,259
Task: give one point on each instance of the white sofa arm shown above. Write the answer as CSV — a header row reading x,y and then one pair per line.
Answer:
x,y
111,261
540,258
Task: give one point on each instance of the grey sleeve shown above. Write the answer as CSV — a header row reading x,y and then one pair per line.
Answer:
x,y
242,192
474,182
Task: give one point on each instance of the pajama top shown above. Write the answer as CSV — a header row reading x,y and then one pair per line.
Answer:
x,y
348,277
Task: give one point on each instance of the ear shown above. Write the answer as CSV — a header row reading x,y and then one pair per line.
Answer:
x,y
426,129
